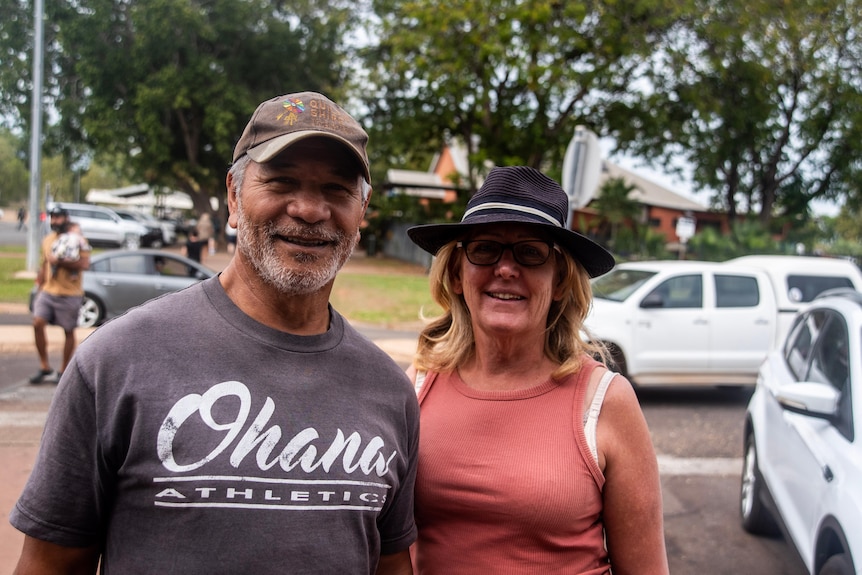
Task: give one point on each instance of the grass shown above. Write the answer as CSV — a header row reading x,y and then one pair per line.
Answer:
x,y
380,291
13,259
385,299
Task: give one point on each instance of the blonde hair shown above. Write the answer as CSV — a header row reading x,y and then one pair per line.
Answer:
x,y
447,341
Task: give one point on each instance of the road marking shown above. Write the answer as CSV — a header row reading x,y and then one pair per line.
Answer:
x,y
22,418
720,466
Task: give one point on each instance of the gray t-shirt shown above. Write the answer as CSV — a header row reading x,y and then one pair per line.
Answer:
x,y
188,438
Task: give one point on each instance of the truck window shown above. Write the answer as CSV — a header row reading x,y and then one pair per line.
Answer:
x,y
619,284
677,292
803,289
736,291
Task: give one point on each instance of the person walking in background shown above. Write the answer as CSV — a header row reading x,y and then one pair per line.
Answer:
x,y
194,246
230,238
274,438
206,231
59,290
22,219
533,457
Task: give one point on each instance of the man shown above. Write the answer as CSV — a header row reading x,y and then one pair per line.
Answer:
x,y
59,284
239,425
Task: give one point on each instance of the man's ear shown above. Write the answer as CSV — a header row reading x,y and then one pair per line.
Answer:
x,y
231,201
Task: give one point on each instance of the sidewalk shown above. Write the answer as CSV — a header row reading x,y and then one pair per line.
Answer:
x,y
23,409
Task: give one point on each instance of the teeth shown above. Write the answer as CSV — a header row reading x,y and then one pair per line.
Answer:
x,y
506,296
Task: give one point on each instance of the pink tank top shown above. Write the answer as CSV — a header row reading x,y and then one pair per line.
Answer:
x,y
506,481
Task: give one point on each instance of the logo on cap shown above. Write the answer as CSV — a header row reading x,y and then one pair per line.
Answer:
x,y
293,108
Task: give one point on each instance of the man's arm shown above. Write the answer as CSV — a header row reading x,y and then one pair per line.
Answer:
x,y
42,558
397,564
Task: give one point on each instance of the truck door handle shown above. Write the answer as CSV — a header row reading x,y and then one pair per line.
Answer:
x,y
700,322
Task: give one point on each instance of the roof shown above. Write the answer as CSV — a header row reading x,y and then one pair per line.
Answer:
x,y
646,191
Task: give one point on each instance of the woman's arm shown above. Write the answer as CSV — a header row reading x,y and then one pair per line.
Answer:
x,y
632,493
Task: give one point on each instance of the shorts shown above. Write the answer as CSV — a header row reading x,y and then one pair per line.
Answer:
x,y
59,310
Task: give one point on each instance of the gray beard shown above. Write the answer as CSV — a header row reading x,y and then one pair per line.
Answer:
x,y
258,245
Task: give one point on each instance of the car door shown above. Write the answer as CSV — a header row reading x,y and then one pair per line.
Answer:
x,y
127,282
671,330
802,448
742,322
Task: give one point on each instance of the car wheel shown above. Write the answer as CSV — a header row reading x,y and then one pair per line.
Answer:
x,y
755,517
837,565
92,312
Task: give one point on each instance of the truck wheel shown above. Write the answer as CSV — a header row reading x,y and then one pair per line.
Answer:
x,y
618,360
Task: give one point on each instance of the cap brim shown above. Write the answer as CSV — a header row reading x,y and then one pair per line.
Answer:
x,y
271,148
595,259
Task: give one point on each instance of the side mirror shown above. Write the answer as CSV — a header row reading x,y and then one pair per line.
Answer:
x,y
809,398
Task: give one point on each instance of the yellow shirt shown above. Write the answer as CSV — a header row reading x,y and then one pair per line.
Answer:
x,y
60,281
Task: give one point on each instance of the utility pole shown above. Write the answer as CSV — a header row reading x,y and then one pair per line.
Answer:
x,y
34,236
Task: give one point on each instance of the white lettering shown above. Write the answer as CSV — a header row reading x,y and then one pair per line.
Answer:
x,y
205,491
301,451
170,493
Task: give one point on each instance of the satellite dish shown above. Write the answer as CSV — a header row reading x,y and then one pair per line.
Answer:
x,y
582,167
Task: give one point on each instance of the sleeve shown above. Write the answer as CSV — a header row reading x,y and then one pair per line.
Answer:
x,y
63,501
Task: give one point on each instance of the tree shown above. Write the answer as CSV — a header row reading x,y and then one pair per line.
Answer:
x,y
762,98
509,78
14,179
616,208
169,84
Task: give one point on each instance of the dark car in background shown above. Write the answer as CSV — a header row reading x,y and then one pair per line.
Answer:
x,y
154,236
118,280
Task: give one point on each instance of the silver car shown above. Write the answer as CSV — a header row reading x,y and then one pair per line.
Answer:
x,y
118,280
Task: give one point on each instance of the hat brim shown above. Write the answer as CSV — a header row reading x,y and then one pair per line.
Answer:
x,y
595,259
266,151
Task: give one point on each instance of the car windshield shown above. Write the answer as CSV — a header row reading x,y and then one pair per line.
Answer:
x,y
619,284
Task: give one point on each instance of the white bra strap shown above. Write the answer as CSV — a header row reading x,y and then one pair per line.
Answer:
x,y
591,418
420,381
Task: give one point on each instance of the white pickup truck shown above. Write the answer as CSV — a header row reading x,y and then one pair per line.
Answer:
x,y
705,323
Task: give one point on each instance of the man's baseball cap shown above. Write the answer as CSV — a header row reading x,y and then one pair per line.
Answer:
x,y
285,120
58,211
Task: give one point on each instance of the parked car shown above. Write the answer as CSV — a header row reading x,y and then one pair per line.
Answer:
x,y
153,238
118,280
803,459
705,323
103,226
161,233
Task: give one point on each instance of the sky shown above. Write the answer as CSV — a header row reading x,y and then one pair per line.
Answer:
x,y
683,185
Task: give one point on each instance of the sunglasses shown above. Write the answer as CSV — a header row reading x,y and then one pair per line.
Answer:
x,y
529,253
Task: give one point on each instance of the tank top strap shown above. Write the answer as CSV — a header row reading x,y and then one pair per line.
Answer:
x,y
591,417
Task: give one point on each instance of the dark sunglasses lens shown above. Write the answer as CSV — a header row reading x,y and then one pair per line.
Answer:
x,y
487,252
484,253
531,253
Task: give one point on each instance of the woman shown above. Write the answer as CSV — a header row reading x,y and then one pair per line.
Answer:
x,y
533,458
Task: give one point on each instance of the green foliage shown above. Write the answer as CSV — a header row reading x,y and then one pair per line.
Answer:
x,y
169,84
746,237
762,98
620,215
509,78
14,178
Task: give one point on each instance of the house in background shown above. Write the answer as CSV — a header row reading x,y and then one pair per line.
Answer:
x,y
661,208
